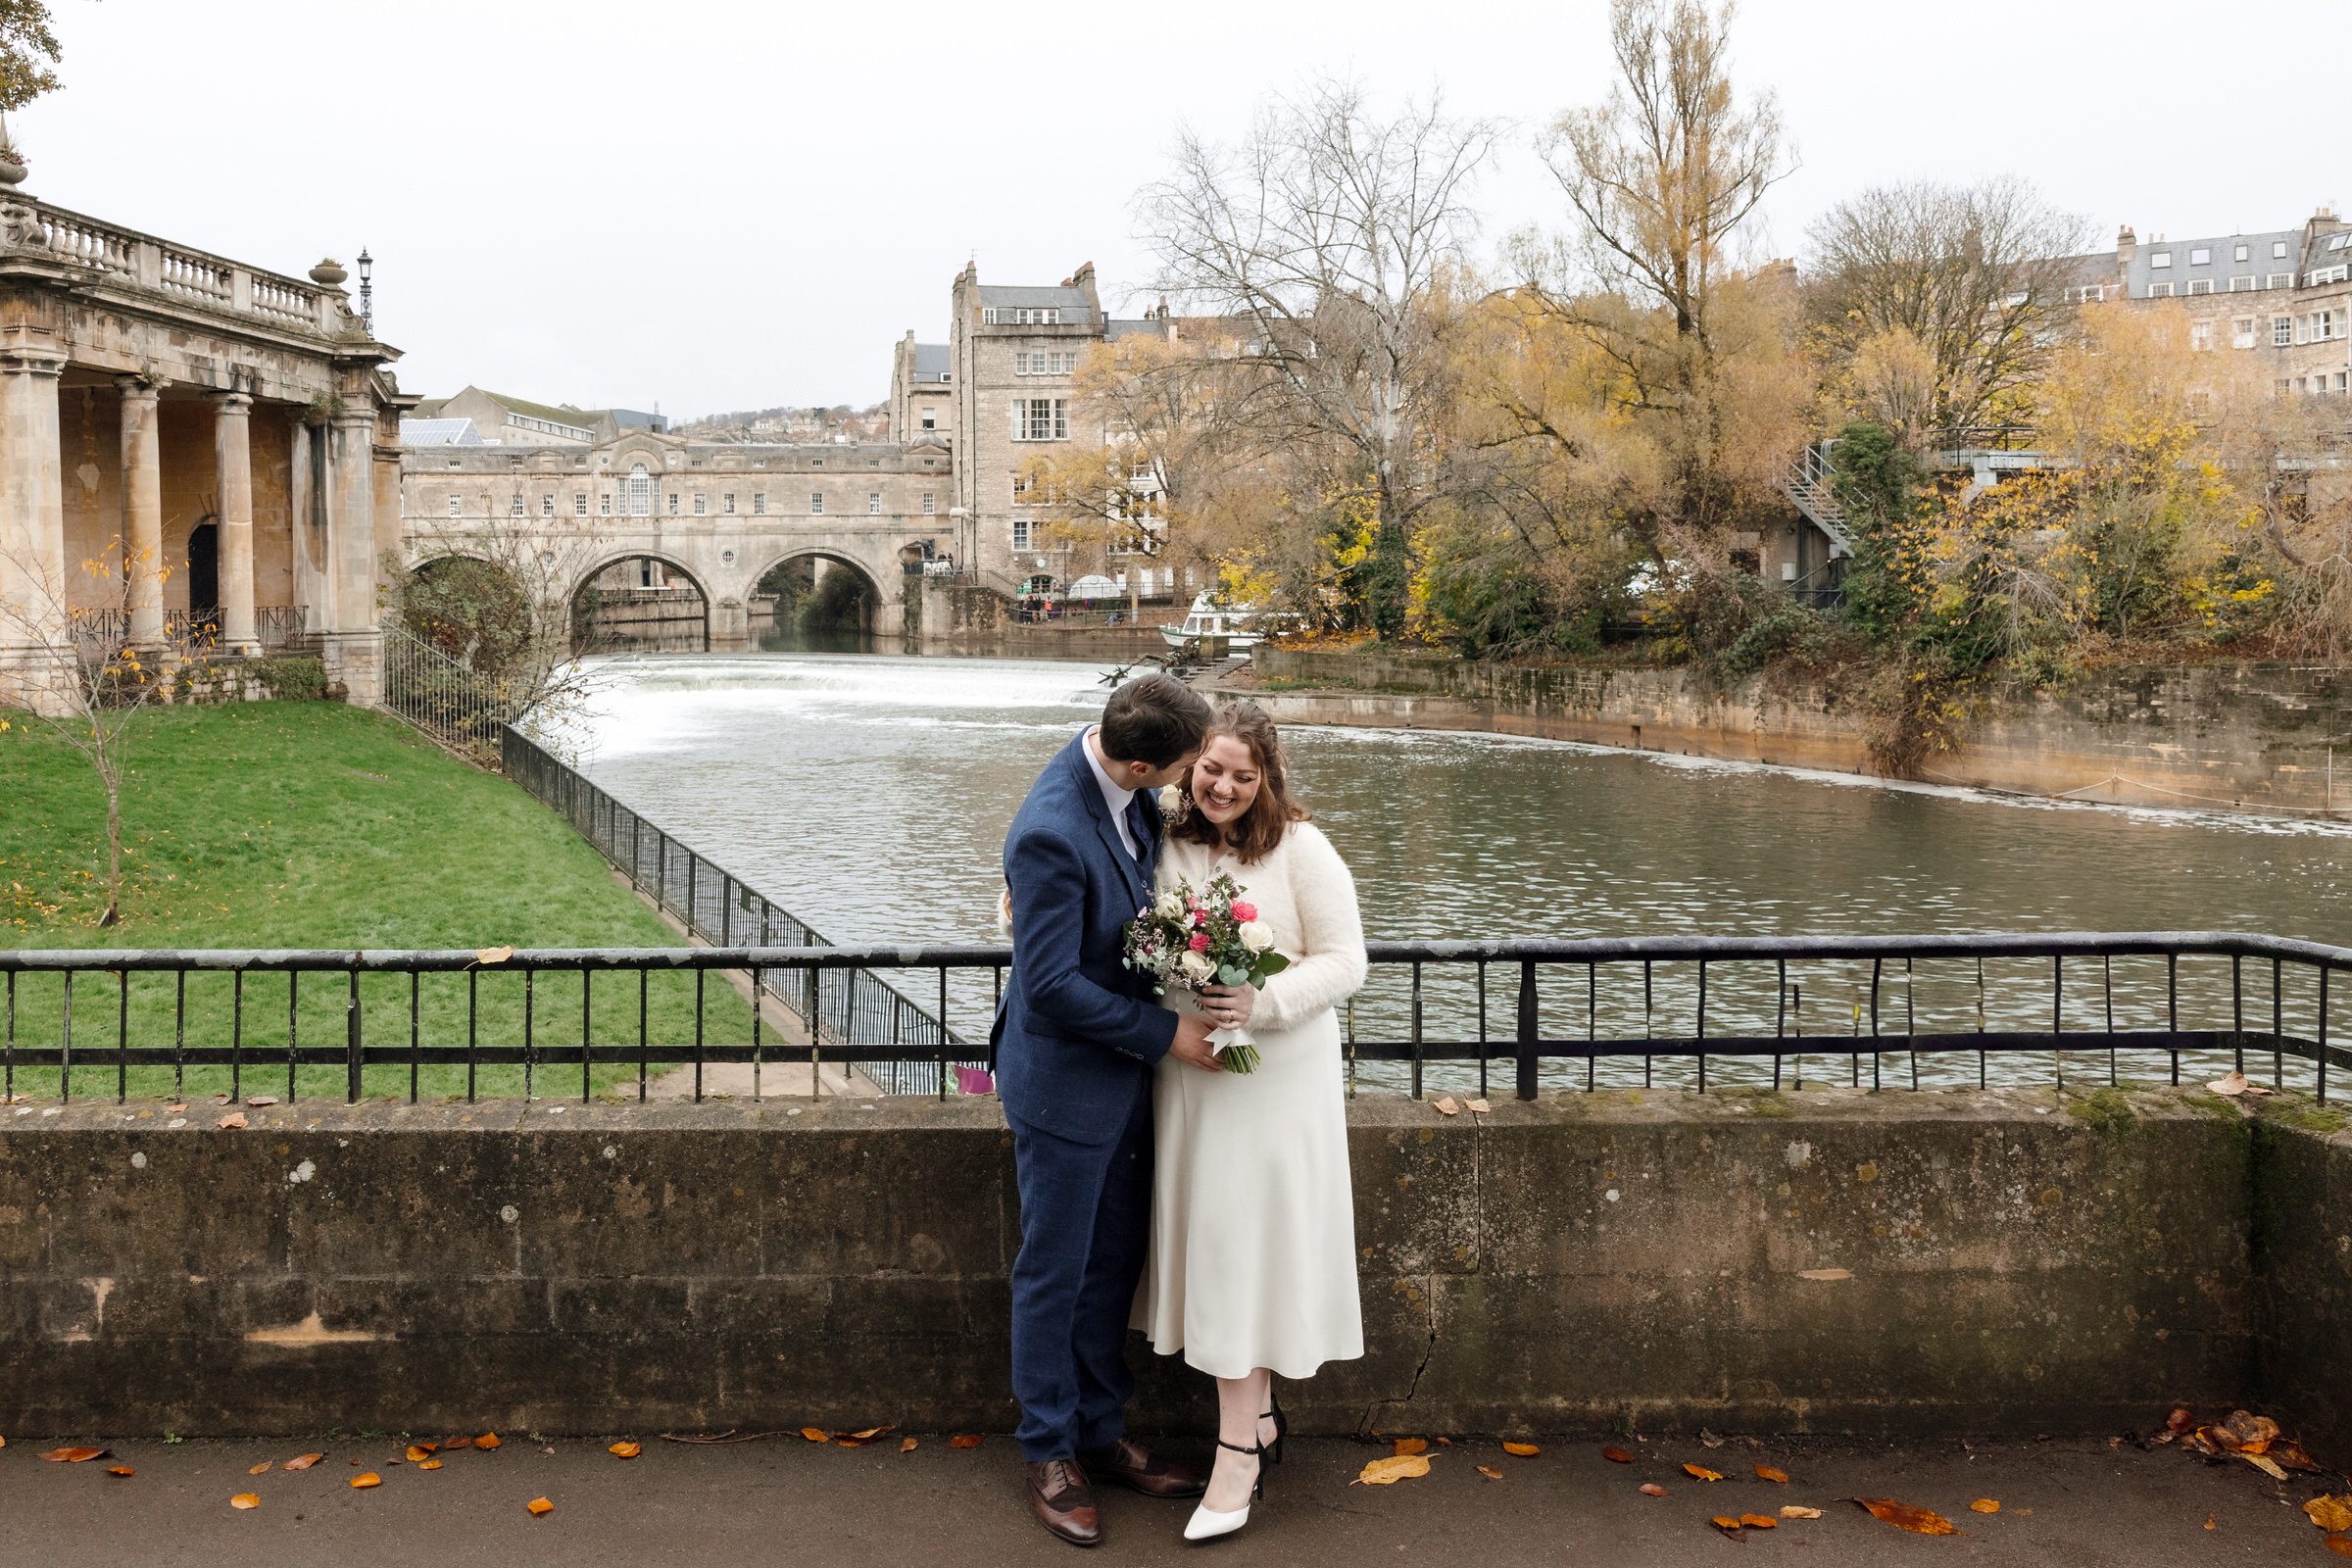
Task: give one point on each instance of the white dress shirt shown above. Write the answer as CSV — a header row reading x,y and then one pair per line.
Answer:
x,y
1117,799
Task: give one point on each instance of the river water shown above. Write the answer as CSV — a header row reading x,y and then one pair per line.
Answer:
x,y
869,794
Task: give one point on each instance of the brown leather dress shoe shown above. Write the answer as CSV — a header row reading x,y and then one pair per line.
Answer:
x,y
1063,1501
1128,1463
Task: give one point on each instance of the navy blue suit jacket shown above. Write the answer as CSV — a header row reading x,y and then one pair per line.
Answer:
x,y
1078,1031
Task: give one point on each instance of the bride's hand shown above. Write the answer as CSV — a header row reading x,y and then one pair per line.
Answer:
x,y
1228,1006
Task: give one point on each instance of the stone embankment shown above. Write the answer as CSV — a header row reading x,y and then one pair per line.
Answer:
x,y
2235,736
1825,1261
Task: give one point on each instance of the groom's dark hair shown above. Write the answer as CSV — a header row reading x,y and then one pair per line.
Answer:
x,y
1154,720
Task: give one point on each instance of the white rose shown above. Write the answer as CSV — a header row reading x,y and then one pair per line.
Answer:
x,y
1170,905
1196,967
1256,935
1171,799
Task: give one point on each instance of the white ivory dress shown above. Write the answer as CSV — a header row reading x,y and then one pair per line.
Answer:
x,y
1252,1213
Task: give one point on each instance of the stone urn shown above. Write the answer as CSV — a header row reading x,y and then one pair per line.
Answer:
x,y
329,272
12,167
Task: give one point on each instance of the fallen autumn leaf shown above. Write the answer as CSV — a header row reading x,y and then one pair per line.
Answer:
x,y
1616,1456
1902,1515
429,1464
969,1439
488,1440
420,1451
369,1479
234,1119
260,1099
1650,1488
1701,1472
1725,1522
1410,1445
76,1455
1447,1107
1771,1473
625,1450
118,1470
906,1445
1984,1506
245,1499
304,1461
1388,1472
258,1468
451,1444
1793,1510
1521,1451
2331,1513
1490,1472
495,956
1758,1521
816,1434
540,1506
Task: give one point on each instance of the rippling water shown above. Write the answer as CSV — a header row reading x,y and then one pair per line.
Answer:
x,y
869,794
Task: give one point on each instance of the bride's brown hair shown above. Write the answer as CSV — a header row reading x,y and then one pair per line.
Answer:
x,y
1271,814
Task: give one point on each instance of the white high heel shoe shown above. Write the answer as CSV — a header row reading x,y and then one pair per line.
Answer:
x,y
1206,1524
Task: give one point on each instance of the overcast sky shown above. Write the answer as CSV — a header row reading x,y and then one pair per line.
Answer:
x,y
727,203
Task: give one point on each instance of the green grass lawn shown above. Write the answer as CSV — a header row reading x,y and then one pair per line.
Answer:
x,y
312,825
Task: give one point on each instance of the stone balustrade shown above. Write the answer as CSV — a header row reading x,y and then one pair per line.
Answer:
x,y
192,275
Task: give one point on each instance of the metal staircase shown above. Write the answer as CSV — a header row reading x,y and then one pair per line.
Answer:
x,y
1807,485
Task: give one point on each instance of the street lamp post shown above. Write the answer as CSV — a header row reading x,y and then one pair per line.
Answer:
x,y
367,290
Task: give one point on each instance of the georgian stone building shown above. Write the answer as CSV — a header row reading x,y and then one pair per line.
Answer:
x,y
236,426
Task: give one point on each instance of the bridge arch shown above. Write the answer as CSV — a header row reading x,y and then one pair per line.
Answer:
x,y
640,601
820,587
467,605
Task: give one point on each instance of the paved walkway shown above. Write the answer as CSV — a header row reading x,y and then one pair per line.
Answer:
x,y
784,1500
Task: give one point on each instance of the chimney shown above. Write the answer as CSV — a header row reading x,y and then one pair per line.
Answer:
x,y
2127,245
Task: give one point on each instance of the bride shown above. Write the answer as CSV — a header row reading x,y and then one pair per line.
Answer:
x,y
1253,1262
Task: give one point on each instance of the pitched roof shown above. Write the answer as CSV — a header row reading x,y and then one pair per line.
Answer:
x,y
439,433
1062,298
582,418
931,359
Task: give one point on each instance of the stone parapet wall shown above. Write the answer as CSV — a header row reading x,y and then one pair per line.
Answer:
x,y
1825,1261
2236,735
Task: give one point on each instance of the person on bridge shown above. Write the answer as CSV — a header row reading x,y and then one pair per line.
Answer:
x,y
1073,1049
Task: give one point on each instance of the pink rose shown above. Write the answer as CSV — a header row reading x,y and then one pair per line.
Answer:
x,y
1245,913
1201,942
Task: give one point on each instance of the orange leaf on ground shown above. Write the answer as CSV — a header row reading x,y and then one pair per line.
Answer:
x,y
1701,1472
420,1451
906,1444
1650,1488
118,1470
1726,1522
452,1445
1388,1472
540,1506
235,1118
1522,1451
1770,1474
1447,1106
1490,1472
1410,1445
1616,1456
2331,1513
260,1099
1986,1506
258,1468
429,1464
2341,1545
488,1440
855,1440
244,1499
2209,1524
1790,1510
816,1434
1919,1521
2291,1453
76,1455
370,1479
1758,1521
969,1439
626,1450
304,1461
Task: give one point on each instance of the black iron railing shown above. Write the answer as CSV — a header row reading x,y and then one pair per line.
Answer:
x,y
1713,1012
848,1008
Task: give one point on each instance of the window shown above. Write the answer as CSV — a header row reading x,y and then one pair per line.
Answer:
x,y
2278,249
456,506
547,506
816,463
930,419
2283,280
1022,316
2282,331
2242,253
726,504
2160,258
673,503
579,502
1021,490
873,503
760,505
641,491
603,503
2200,285
1043,363
2241,333
1021,533
816,503
2160,291
2344,380
930,502
2336,242
2322,326
2200,336
873,463
515,508
2244,283
1041,419
702,503
2202,256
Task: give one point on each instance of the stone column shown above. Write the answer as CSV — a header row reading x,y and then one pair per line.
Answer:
x,y
33,517
233,462
349,643
142,540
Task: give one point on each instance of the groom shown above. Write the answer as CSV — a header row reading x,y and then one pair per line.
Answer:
x,y
1074,1044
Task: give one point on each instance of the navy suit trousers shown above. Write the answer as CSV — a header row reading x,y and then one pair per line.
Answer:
x,y
1086,1226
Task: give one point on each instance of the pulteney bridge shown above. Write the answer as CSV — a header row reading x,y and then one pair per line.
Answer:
x,y
650,523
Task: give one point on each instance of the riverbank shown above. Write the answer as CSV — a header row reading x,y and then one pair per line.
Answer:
x,y
302,825
2249,736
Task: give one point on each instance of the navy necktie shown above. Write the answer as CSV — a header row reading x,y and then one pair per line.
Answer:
x,y
1139,826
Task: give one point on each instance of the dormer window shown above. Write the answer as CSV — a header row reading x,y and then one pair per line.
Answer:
x,y
2161,259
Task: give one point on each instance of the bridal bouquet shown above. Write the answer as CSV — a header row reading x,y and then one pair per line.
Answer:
x,y
1194,939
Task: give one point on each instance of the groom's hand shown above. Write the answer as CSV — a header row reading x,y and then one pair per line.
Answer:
x,y
1192,1046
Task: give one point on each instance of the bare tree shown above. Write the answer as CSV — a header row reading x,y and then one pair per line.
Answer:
x,y
1331,235
79,673
1974,275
